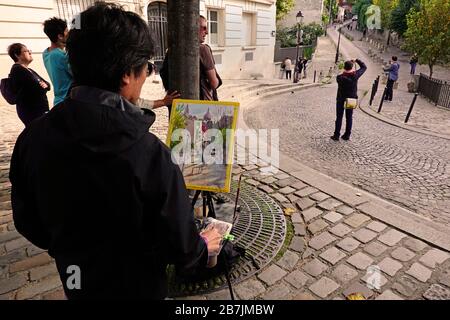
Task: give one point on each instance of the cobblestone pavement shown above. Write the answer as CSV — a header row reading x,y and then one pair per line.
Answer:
x,y
338,249
337,244
406,167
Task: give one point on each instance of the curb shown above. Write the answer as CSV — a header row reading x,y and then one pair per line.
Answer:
x,y
366,109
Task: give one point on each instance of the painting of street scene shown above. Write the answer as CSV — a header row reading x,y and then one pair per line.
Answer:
x,y
201,137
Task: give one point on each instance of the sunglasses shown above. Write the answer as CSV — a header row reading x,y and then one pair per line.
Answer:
x,y
151,68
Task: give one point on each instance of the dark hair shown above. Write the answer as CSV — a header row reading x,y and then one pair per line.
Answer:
x,y
54,27
110,43
394,58
348,65
15,50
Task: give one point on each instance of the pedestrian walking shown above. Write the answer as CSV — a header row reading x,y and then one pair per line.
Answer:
x,y
413,63
347,96
29,87
93,186
55,58
288,68
392,77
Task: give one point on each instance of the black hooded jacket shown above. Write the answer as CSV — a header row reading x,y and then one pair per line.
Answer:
x,y
95,188
348,82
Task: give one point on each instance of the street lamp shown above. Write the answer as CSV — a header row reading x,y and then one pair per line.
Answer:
x,y
337,48
299,18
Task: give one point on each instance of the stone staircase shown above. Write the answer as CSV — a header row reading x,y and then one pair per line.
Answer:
x,y
246,91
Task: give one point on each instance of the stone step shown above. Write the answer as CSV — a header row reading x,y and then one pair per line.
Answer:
x,y
262,91
275,91
286,90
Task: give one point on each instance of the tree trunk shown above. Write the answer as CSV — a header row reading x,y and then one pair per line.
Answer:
x,y
431,69
183,43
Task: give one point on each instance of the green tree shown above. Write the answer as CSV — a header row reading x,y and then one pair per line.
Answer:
x,y
428,32
179,122
288,36
386,7
283,8
359,9
398,15
326,10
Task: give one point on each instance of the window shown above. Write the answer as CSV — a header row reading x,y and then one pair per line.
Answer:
x,y
68,9
213,27
157,22
248,29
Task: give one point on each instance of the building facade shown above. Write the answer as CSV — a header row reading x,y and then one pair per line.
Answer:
x,y
241,32
21,21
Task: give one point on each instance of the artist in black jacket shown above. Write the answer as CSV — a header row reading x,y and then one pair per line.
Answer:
x,y
347,88
93,186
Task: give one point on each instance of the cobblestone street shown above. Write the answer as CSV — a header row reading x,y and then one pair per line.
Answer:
x,y
406,167
340,236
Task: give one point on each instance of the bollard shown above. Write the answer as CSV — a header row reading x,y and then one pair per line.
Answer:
x,y
372,94
411,107
314,76
382,100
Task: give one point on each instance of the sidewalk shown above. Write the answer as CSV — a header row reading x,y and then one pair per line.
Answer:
x,y
425,117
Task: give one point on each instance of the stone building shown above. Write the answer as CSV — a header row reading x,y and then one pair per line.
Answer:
x,y
241,32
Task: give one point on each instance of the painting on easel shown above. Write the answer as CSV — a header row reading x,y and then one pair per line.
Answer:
x,y
201,138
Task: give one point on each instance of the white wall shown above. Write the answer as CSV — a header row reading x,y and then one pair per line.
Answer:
x,y
21,21
233,54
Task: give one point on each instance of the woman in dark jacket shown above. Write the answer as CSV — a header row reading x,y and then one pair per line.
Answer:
x,y
30,87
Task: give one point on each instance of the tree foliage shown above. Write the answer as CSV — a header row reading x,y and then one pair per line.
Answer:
x,y
326,10
399,13
283,8
359,9
428,32
386,7
288,36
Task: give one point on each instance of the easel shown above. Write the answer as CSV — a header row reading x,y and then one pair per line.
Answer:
x,y
207,202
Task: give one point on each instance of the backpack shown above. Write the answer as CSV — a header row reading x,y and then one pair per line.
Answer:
x,y
6,88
